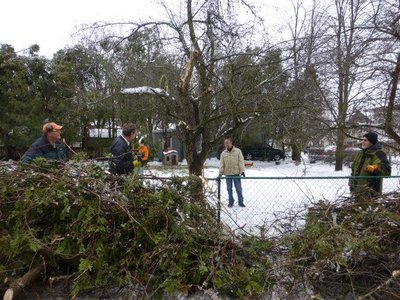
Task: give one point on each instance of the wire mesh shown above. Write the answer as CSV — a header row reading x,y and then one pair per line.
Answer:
x,y
272,200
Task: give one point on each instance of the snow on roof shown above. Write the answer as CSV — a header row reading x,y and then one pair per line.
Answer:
x,y
145,90
170,151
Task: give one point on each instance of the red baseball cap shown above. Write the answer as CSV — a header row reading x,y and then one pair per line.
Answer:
x,y
51,126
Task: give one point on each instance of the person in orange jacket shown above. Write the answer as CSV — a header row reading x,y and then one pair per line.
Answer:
x,y
143,155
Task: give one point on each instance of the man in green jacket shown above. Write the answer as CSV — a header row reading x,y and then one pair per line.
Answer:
x,y
370,161
232,166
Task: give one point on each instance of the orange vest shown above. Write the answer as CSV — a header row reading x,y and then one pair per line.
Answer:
x,y
145,151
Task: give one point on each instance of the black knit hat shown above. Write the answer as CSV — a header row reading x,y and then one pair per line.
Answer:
x,y
372,137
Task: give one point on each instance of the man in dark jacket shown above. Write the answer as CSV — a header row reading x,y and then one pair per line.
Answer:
x,y
121,161
370,161
49,145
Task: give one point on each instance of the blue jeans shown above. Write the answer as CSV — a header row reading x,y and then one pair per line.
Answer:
x,y
238,188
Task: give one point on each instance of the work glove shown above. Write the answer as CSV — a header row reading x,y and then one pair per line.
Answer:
x,y
243,174
136,164
372,168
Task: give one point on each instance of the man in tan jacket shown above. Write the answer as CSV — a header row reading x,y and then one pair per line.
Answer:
x,y
232,166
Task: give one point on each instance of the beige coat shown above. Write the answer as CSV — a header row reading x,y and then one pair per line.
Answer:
x,y
232,162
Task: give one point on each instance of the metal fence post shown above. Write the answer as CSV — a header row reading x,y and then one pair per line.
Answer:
x,y
219,199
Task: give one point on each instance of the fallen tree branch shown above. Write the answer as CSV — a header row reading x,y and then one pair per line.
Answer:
x,y
17,286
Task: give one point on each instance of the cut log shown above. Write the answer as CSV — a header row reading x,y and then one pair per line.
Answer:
x,y
17,286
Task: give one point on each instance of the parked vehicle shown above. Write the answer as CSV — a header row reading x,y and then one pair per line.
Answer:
x,y
258,153
327,154
316,153
331,148
350,154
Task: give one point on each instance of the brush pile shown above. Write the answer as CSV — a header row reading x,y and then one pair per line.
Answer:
x,y
81,224
350,248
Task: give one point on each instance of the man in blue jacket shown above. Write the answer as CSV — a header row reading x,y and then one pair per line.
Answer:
x,y
121,161
49,145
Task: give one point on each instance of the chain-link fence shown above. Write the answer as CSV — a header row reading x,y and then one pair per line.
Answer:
x,y
269,200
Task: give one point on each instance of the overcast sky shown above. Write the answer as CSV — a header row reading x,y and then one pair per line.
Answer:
x,y
51,23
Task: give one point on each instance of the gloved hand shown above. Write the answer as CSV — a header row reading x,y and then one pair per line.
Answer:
x,y
136,163
243,174
372,168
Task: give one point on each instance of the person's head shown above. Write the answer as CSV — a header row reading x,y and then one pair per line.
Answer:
x,y
52,131
370,139
129,131
228,143
142,141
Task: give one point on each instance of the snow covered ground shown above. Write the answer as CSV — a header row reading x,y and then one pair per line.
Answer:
x,y
272,192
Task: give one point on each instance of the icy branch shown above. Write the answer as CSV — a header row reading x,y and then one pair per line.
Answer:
x,y
145,90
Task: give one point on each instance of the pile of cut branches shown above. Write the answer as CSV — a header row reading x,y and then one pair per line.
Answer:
x,y
81,223
351,248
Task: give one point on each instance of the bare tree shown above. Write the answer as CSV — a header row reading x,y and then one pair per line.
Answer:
x,y
386,21
204,37
304,118
345,71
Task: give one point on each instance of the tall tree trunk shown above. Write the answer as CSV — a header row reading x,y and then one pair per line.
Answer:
x,y
196,167
85,137
150,141
195,157
296,153
195,160
390,107
339,155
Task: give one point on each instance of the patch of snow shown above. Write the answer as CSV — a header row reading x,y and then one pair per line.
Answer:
x,y
273,192
145,90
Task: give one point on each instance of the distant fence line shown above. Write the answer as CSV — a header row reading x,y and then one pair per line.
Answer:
x,y
270,199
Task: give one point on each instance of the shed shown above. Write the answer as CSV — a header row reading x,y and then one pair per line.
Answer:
x,y
170,157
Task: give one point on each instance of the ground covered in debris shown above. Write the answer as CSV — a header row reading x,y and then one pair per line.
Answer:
x,y
77,223
350,249
92,235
